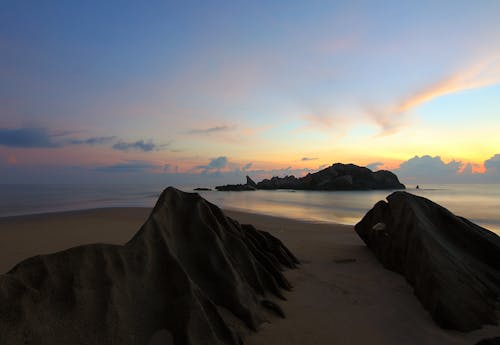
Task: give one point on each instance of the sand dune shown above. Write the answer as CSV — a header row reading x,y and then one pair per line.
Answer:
x,y
176,280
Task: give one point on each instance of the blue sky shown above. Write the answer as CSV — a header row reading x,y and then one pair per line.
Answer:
x,y
86,85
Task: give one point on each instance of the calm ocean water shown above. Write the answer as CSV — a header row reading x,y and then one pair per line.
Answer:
x,y
479,203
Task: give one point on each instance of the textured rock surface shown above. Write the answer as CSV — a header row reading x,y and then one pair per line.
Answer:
x,y
490,341
171,283
453,264
336,177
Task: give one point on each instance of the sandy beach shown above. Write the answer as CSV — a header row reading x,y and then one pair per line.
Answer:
x,y
341,294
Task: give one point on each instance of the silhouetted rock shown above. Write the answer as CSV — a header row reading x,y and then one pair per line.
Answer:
x,y
489,341
452,263
201,189
249,186
170,283
337,177
235,188
287,182
251,182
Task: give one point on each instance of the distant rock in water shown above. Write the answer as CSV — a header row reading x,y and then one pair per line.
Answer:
x,y
452,263
336,177
201,189
174,281
251,182
249,186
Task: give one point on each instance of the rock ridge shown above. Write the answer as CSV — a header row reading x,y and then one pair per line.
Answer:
x,y
172,282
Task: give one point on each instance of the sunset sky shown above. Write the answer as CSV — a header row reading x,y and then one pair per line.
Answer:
x,y
199,92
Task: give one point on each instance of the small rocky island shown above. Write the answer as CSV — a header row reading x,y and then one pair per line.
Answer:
x,y
452,263
336,177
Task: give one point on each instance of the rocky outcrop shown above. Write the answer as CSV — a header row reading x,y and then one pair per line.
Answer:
x,y
452,263
251,182
287,182
336,177
185,270
249,186
202,189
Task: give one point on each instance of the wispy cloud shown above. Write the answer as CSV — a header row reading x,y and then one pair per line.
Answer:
x,y
392,118
210,130
92,141
482,74
305,159
140,145
132,166
247,166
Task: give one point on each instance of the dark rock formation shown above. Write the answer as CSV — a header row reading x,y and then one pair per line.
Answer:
x,y
452,264
337,177
287,182
201,189
251,182
489,341
173,281
249,186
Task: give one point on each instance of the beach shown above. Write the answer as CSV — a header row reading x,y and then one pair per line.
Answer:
x,y
341,294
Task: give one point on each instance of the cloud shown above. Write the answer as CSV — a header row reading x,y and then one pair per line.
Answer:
x,y
27,138
308,159
394,116
211,130
492,165
32,137
92,141
430,170
482,74
139,145
132,166
374,166
247,166
170,169
215,165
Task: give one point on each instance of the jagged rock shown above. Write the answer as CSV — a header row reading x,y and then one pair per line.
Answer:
x,y
249,186
168,284
251,182
337,177
452,263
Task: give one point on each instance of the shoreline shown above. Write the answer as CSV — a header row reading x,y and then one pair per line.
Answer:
x,y
341,293
234,210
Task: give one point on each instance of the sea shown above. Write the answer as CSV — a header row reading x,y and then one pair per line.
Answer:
x,y
479,203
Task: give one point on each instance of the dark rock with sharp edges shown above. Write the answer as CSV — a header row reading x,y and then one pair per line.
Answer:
x,y
336,177
168,284
452,263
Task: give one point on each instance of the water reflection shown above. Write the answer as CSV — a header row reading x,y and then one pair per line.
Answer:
x,y
479,203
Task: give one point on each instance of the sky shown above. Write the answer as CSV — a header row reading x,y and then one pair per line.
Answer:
x,y
197,92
